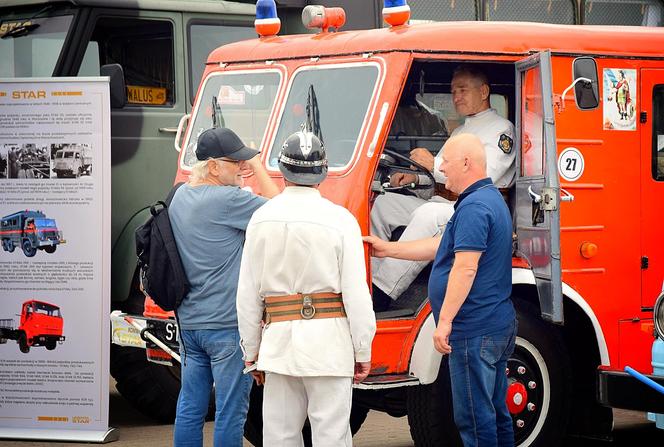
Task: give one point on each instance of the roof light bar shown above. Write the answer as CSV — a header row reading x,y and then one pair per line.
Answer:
x,y
267,22
396,12
316,16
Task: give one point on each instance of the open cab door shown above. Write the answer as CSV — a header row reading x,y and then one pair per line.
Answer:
x,y
536,212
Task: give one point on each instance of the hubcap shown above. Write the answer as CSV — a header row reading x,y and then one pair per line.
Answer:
x,y
517,397
525,394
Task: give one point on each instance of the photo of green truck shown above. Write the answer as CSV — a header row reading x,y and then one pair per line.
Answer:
x,y
31,231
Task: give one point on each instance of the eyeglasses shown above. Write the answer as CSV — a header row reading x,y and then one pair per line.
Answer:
x,y
230,160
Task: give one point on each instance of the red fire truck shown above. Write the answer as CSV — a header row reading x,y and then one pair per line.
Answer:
x,y
588,265
41,324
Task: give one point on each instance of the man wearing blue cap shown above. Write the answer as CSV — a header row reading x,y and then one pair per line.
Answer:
x,y
209,215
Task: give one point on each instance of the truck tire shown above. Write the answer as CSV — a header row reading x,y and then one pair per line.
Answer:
x,y
152,389
253,427
8,245
50,249
28,249
50,345
540,367
23,343
430,413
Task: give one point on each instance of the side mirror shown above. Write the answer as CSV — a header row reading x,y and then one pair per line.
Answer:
x,y
117,84
586,87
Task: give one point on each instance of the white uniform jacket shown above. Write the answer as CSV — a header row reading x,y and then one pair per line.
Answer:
x,y
497,135
300,242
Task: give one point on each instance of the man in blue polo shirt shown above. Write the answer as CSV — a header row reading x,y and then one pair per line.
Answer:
x,y
469,289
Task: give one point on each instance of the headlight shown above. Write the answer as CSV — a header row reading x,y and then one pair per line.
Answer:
x,y
658,316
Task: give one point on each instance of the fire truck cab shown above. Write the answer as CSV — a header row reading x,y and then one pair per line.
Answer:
x,y
40,324
588,107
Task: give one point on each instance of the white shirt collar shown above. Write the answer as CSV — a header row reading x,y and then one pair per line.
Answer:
x,y
301,190
481,114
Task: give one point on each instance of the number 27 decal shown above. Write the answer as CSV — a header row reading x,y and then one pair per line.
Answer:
x,y
570,164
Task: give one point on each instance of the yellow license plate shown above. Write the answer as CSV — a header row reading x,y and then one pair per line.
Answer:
x,y
155,96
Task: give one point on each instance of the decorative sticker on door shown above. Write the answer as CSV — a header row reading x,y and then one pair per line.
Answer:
x,y
619,99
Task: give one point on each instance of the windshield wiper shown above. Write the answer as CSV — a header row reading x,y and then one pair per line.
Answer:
x,y
313,115
27,27
217,117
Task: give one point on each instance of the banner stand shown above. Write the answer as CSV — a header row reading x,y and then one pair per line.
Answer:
x,y
96,436
55,259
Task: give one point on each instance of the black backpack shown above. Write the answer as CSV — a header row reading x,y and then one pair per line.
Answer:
x,y
160,268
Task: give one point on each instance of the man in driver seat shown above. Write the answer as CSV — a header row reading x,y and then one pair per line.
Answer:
x,y
428,218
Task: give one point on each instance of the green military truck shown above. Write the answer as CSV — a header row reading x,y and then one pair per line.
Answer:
x,y
160,47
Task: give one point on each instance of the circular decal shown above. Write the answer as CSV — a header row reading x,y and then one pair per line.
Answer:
x,y
570,164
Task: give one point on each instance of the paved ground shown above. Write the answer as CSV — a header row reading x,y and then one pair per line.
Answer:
x,y
379,430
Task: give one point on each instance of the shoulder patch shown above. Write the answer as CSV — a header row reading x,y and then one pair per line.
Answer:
x,y
505,143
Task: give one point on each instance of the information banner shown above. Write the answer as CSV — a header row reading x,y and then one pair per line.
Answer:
x,y
55,191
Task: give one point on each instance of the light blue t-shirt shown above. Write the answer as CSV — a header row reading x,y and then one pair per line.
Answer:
x,y
209,223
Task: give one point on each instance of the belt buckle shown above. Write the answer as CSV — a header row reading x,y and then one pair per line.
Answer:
x,y
308,310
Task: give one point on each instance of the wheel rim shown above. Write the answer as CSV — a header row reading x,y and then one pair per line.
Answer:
x,y
528,391
27,248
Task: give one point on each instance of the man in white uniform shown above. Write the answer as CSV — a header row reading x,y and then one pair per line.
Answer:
x,y
303,274
427,218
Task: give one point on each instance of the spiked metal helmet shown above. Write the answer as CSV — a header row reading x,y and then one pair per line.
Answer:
x,y
302,159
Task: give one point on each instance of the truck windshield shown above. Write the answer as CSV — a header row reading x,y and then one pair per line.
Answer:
x,y
45,308
244,102
33,52
45,223
343,95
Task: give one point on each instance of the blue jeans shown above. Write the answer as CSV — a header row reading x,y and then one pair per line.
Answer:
x,y
479,388
212,356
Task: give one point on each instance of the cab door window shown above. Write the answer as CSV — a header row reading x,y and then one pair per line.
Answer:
x,y
532,139
658,133
144,49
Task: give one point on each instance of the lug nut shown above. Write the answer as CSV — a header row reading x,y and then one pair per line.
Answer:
x,y
531,406
532,385
520,423
521,370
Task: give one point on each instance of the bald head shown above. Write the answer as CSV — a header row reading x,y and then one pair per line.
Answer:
x,y
464,162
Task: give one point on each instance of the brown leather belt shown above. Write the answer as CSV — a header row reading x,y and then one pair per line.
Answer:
x,y
445,193
303,306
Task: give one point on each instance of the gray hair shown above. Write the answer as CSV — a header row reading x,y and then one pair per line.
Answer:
x,y
472,72
200,171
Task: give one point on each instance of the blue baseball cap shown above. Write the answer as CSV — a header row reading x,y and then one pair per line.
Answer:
x,y
219,142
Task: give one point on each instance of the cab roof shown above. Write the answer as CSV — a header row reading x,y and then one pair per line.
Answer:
x,y
507,38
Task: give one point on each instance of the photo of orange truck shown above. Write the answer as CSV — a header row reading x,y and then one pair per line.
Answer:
x,y
41,324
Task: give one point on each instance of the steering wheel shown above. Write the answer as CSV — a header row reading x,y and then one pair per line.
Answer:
x,y
411,168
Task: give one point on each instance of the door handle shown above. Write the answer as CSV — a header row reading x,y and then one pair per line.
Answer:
x,y
168,129
533,195
565,195
180,128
